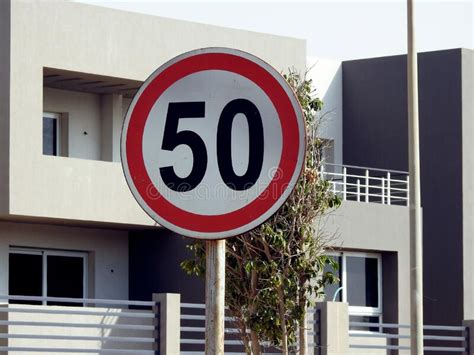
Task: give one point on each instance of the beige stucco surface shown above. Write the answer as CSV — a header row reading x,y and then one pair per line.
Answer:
x,y
108,253
81,38
83,121
4,104
377,228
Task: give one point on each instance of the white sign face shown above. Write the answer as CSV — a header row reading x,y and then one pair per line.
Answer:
x,y
213,143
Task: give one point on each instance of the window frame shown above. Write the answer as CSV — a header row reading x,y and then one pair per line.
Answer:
x,y
361,310
57,117
55,252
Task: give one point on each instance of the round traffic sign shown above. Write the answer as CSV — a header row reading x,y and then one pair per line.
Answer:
x,y
213,143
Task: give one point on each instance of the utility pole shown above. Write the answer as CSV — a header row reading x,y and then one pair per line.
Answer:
x,y
416,222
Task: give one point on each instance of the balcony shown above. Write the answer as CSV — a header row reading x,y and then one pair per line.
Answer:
x,y
362,184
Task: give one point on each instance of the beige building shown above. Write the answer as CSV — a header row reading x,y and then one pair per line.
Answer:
x,y
69,226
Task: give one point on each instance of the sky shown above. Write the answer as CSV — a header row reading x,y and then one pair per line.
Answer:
x,y
343,30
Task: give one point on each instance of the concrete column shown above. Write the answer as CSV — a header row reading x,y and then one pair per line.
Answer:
x,y
111,126
3,328
470,344
334,328
169,322
64,134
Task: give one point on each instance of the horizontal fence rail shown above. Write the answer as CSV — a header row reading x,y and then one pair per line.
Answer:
x,y
389,336
355,183
193,333
57,325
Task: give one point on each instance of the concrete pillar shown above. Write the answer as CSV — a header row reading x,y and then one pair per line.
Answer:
x,y
64,134
333,328
111,126
470,332
169,322
3,328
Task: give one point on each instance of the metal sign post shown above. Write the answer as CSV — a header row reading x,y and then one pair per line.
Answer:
x,y
215,296
212,145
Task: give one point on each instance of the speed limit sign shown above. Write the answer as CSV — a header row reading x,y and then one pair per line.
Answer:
x,y
213,143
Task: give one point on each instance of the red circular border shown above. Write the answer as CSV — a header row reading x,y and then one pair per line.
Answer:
x,y
136,125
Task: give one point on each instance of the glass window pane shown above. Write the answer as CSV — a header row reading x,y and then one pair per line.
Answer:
x,y
25,277
330,290
50,131
65,277
362,281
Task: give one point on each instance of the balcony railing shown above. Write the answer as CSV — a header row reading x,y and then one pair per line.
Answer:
x,y
361,184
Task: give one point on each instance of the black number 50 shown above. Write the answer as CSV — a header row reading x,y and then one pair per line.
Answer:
x,y
172,139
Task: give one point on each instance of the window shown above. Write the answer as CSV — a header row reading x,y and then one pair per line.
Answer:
x,y
360,285
51,133
49,273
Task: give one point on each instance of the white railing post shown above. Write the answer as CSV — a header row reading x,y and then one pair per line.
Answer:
x,y
383,191
344,183
358,190
389,192
367,185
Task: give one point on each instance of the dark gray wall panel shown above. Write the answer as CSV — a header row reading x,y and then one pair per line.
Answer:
x,y
376,135
154,266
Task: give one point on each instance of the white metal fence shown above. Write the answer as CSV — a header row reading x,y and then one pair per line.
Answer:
x,y
98,326
369,336
356,183
193,332
71,325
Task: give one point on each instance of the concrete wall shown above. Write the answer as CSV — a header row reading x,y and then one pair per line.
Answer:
x,y
371,227
155,255
93,123
108,253
95,40
112,117
327,79
83,120
4,105
468,179
375,134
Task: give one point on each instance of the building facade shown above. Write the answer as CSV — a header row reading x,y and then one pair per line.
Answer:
x,y
70,228
375,121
